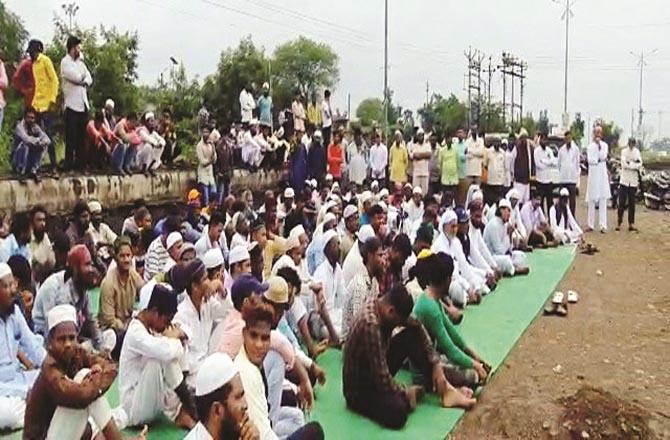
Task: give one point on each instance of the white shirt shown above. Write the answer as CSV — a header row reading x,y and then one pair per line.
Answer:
x,y
378,160
254,392
568,164
496,237
139,347
497,166
567,225
414,213
298,111
358,166
353,263
598,185
546,165
247,105
204,244
199,432
333,289
480,255
199,326
631,161
76,78
326,114
474,156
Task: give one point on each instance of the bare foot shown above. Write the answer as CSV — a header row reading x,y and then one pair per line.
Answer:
x,y
467,392
454,399
521,270
184,420
143,434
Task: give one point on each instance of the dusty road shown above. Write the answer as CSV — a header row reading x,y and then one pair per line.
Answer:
x,y
614,346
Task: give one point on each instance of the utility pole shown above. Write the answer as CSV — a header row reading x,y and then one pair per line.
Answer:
x,y
349,106
641,63
427,94
386,67
70,10
474,82
567,14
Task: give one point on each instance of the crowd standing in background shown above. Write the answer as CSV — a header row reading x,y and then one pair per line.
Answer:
x,y
214,313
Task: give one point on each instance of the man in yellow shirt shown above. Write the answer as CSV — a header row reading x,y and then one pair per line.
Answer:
x,y
398,159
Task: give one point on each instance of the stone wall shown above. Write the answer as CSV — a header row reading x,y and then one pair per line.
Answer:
x,y
115,191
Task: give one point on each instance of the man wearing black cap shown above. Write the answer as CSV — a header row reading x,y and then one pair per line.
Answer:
x,y
76,78
150,376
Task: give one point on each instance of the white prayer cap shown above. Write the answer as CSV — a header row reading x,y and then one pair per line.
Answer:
x,y
420,131
318,134
383,193
5,270
329,217
94,206
292,242
408,186
374,184
109,103
523,132
313,183
149,115
327,236
349,210
364,233
297,231
329,176
366,196
454,140
289,193
266,86
513,194
61,313
213,258
504,141
237,254
477,195
173,238
397,132
335,186
564,192
504,203
215,371
417,190
449,216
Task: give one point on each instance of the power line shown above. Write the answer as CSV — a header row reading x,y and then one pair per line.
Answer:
x,y
641,63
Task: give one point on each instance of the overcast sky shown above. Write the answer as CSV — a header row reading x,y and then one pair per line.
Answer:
x,y
427,40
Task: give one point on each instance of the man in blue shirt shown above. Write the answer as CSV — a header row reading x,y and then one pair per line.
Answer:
x,y
265,106
16,378
18,242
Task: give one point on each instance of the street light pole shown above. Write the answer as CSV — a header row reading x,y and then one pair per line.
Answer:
x,y
567,13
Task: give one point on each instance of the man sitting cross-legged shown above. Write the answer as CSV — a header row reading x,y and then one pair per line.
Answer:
x,y
69,389
373,354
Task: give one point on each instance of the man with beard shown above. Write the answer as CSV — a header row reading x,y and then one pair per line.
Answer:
x,y
351,225
364,285
329,274
70,286
480,255
497,236
69,389
102,235
78,231
220,403
40,245
463,235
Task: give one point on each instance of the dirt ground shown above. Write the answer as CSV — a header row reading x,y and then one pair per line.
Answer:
x,y
604,370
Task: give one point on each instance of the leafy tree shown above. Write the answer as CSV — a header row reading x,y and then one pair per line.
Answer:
x,y
577,128
305,65
543,122
445,115
370,110
245,65
492,119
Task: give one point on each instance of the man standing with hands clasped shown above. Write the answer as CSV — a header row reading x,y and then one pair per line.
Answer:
x,y
631,161
598,188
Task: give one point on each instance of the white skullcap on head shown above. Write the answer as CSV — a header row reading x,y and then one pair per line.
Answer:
x,y
477,195
564,192
94,206
213,258
237,254
329,217
149,115
420,131
297,231
449,216
335,186
364,233
513,194
454,140
329,176
318,134
505,141
366,196
61,313
327,236
289,193
5,270
504,203
292,242
349,210
173,239
109,103
215,371
374,184
266,85
313,183
417,190
383,193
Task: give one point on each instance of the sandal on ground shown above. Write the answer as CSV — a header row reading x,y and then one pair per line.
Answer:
x,y
573,296
561,310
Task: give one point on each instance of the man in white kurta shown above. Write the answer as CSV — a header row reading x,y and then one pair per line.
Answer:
x,y
598,186
329,274
149,366
562,222
247,105
497,236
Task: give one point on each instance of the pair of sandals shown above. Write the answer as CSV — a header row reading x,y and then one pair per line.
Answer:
x,y
559,303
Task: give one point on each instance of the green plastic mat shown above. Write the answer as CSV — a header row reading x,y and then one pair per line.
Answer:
x,y
491,328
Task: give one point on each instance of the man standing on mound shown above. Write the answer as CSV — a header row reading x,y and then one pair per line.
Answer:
x,y
372,356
